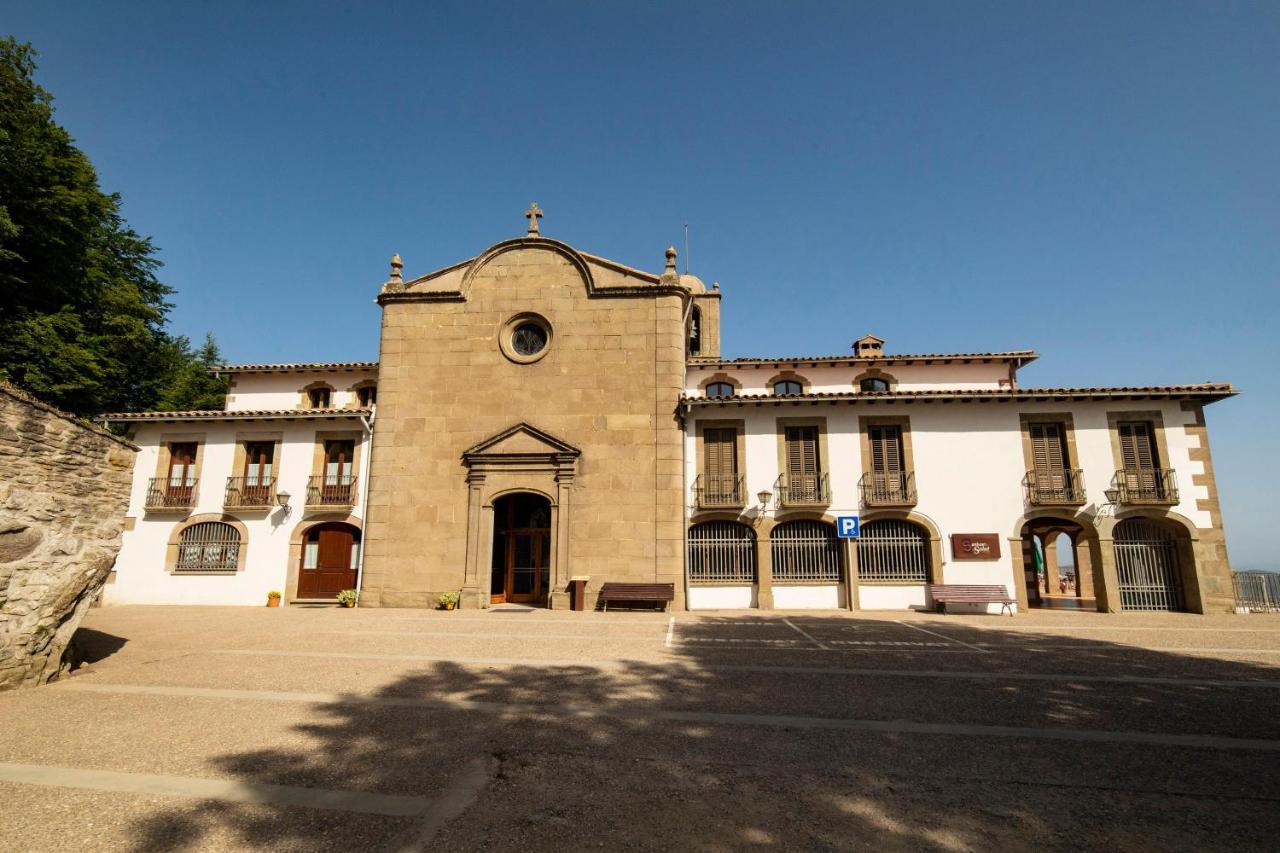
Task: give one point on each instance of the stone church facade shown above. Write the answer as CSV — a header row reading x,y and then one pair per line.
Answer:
x,y
538,414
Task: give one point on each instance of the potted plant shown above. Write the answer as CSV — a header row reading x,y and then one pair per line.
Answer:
x,y
348,597
448,600
273,598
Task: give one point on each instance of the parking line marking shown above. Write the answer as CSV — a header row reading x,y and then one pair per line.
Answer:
x,y
975,675
805,634
671,629
641,711
233,790
945,637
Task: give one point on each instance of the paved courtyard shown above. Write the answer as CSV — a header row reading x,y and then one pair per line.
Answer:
x,y
225,729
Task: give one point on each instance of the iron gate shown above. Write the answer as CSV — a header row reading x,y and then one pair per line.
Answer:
x,y
805,551
1147,563
722,552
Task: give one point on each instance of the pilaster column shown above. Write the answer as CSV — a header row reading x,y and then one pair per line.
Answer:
x,y
470,593
561,568
851,574
1108,596
764,566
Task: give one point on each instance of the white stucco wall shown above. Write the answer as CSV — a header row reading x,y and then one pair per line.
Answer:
x,y
968,466
284,390
806,597
835,378
140,574
722,597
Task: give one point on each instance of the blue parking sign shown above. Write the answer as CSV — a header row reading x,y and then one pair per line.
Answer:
x,y
847,526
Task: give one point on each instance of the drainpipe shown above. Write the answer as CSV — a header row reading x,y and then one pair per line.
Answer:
x,y
684,412
367,423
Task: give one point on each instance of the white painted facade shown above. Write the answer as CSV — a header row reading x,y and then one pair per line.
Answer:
x,y
968,463
142,572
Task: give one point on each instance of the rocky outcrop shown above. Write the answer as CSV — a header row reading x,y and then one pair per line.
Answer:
x,y
64,490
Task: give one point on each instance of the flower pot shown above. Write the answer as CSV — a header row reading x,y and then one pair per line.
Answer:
x,y
273,602
348,604
449,605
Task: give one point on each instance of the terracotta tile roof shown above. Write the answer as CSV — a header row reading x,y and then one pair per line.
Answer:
x,y
293,367
232,415
1012,355
1208,391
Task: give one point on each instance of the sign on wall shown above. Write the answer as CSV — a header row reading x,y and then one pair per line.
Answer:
x,y
847,526
975,546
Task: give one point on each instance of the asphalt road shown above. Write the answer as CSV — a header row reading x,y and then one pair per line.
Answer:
x,y
235,729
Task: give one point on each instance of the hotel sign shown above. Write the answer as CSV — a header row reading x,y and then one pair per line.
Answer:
x,y
975,546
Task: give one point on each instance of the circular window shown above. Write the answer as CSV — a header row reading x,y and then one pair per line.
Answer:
x,y
528,339
525,338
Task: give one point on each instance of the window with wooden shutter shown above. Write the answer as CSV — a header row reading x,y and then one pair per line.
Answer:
x,y
802,451
182,465
886,450
720,446
1048,452
1137,449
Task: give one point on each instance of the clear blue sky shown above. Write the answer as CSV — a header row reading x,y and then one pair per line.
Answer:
x,y
1098,181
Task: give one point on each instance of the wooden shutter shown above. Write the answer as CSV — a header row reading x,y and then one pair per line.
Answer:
x,y
1047,452
886,449
720,447
802,451
1136,447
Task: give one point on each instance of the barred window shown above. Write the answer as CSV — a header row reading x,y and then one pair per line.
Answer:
x,y
805,551
722,552
893,550
208,546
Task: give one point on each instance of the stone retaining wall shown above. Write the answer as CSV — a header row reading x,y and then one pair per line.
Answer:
x,y
64,490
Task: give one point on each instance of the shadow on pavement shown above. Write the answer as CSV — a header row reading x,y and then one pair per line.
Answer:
x,y
90,646
690,749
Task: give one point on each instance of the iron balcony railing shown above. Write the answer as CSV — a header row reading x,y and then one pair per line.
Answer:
x,y
250,492
1055,487
718,490
1257,592
171,493
1146,486
803,490
331,490
893,489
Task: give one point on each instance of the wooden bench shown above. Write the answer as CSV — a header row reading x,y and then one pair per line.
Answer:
x,y
971,593
656,592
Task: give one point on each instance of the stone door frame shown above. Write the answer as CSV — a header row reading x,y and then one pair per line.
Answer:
x,y
521,458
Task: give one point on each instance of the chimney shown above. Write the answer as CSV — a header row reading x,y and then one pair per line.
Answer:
x,y
868,346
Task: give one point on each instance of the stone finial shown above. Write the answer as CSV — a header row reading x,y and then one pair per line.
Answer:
x,y
396,266
533,214
671,259
715,286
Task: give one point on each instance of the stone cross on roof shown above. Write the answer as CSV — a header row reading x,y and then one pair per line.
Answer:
x,y
533,214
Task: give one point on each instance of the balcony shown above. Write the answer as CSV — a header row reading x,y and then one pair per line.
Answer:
x,y
888,489
166,494
1144,486
803,490
1055,487
718,491
249,493
331,491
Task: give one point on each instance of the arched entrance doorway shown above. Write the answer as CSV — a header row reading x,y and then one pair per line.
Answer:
x,y
330,554
1058,569
521,549
1147,565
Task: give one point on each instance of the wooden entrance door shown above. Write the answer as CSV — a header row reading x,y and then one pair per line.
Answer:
x,y
521,549
329,555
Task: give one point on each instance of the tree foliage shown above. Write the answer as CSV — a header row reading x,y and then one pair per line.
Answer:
x,y
82,313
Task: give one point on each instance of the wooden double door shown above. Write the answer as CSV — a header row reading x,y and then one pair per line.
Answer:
x,y
521,549
330,554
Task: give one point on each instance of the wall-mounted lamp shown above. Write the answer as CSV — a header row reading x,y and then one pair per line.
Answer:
x,y
282,501
1112,495
765,496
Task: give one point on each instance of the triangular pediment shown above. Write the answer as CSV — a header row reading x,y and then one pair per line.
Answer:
x,y
521,440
